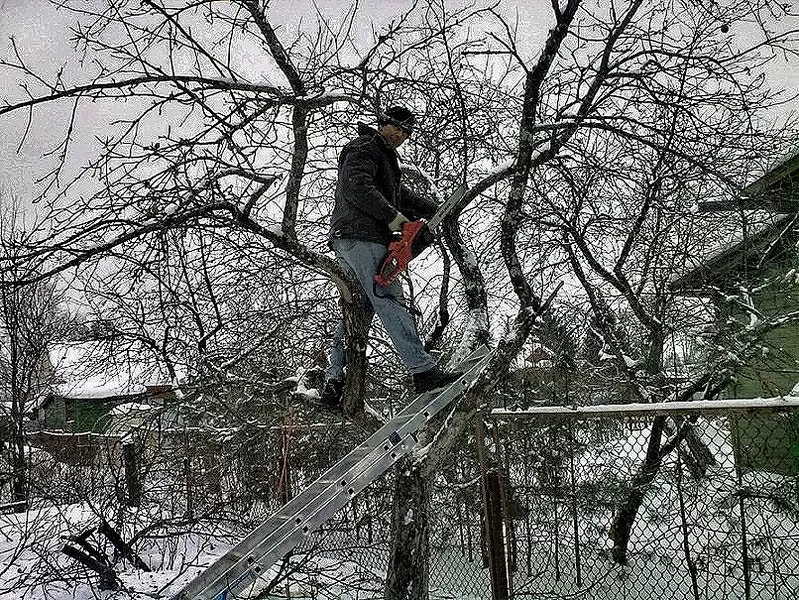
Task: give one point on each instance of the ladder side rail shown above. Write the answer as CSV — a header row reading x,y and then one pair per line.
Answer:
x,y
326,504
401,426
325,509
251,557
316,503
239,554
336,471
321,514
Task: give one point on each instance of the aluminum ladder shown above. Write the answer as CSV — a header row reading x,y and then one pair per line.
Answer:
x,y
251,558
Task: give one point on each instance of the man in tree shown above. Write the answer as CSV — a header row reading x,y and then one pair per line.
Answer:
x,y
370,204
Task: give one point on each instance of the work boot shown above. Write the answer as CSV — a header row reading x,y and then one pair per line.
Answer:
x,y
331,394
433,379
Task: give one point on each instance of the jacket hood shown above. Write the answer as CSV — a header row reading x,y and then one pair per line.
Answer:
x,y
364,129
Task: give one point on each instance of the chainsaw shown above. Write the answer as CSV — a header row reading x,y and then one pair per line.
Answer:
x,y
415,237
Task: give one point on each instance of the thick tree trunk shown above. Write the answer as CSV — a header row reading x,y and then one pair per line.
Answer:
x,y
408,569
19,479
19,464
625,516
132,475
356,339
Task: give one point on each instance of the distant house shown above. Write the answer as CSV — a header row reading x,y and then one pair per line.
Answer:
x,y
770,248
97,384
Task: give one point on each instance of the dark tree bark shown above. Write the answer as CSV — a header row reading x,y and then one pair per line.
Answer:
x,y
408,573
133,481
625,516
356,339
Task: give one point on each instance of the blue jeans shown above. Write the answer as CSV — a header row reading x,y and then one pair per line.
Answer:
x,y
361,260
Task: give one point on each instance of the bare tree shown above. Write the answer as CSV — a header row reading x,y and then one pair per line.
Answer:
x,y
669,124
625,126
583,163
29,322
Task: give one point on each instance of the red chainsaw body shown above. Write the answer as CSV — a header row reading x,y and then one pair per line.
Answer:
x,y
414,238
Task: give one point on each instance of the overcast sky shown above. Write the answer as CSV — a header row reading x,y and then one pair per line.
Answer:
x,y
41,32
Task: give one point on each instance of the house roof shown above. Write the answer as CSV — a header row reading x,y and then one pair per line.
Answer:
x,y
777,187
758,247
102,370
776,191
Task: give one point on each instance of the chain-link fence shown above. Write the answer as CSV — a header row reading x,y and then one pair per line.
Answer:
x,y
607,504
622,503
613,503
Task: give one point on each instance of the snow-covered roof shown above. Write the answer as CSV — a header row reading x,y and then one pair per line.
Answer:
x,y
775,191
772,204
729,256
783,171
103,369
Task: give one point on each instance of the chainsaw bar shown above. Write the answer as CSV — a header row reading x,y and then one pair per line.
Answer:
x,y
447,206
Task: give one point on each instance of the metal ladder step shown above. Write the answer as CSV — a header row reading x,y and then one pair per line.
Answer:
x,y
251,558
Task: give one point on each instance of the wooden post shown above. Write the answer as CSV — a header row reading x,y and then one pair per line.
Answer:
x,y
131,473
494,536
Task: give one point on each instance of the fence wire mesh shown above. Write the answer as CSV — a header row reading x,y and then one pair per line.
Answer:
x,y
604,507
677,505
674,506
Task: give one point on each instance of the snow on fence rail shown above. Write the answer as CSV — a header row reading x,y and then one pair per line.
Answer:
x,y
705,407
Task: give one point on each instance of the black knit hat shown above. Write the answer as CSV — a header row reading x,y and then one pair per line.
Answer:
x,y
399,116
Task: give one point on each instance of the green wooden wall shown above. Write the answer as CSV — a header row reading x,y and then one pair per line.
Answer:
x,y
79,415
775,372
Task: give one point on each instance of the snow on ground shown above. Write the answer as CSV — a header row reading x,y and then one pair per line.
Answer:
x,y
32,541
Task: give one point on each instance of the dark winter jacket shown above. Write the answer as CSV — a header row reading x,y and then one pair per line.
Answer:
x,y
369,192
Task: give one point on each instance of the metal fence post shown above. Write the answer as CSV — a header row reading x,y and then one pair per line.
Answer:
x,y
495,538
